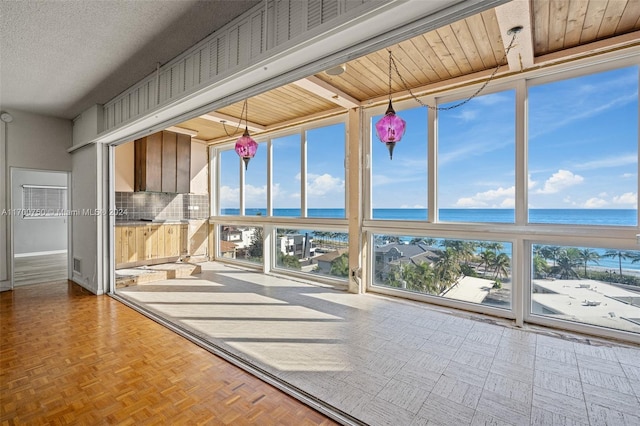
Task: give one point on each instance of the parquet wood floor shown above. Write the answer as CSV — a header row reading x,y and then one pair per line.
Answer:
x,y
68,357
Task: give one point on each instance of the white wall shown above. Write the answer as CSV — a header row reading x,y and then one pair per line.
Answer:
x,y
124,167
38,142
31,141
36,234
199,168
84,197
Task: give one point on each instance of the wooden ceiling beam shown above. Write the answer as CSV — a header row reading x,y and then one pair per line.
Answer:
x,y
325,90
511,15
182,130
218,117
284,124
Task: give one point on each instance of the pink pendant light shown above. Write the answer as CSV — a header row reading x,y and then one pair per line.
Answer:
x,y
246,147
390,128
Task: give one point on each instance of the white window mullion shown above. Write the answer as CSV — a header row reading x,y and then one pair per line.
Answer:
x,y
432,162
521,281
269,178
242,176
303,173
214,182
522,175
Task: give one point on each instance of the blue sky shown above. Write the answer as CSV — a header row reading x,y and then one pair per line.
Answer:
x,y
583,135
325,172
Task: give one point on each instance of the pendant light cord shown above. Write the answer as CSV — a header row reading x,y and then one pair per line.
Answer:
x,y
245,112
514,32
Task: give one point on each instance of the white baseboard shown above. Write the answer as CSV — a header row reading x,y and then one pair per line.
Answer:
x,y
39,253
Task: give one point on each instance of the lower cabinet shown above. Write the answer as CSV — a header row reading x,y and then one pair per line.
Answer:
x,y
149,244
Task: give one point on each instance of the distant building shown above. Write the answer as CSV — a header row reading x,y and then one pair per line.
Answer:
x,y
227,249
324,261
296,245
230,233
399,253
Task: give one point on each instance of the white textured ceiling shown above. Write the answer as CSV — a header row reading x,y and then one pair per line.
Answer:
x,y
58,58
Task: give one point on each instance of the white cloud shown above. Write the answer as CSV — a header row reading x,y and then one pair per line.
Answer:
x,y
628,175
626,198
532,183
505,196
560,180
594,203
415,206
228,194
469,202
620,160
467,115
508,203
319,185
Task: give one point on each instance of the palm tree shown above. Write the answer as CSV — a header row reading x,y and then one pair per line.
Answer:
x,y
420,277
501,265
588,255
540,266
487,259
565,264
494,245
464,249
447,269
620,255
550,252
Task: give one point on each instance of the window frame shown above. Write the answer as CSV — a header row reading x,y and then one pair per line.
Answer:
x,y
521,233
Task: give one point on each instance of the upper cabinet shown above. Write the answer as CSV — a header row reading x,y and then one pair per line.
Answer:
x,y
163,163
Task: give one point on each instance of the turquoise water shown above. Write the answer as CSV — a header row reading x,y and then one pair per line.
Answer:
x,y
610,217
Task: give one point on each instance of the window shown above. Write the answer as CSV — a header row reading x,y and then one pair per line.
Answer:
x,y
597,286
243,243
399,185
583,149
229,186
315,252
255,183
470,271
476,160
285,189
325,174
43,201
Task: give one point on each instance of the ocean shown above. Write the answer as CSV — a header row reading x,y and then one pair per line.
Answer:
x,y
596,217
610,217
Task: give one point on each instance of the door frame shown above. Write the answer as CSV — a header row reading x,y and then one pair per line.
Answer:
x,y
11,222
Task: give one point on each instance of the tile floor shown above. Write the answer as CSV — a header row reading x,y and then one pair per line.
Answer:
x,y
393,362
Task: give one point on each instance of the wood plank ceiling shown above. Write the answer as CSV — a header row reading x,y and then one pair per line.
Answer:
x,y
468,49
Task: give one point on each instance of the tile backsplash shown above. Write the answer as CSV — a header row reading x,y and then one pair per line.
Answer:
x,y
161,206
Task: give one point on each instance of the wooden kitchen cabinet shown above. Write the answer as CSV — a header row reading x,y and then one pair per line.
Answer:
x,y
169,161
142,244
148,163
163,163
172,240
183,164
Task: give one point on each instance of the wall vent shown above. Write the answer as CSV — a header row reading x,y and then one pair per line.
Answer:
x,y
77,265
